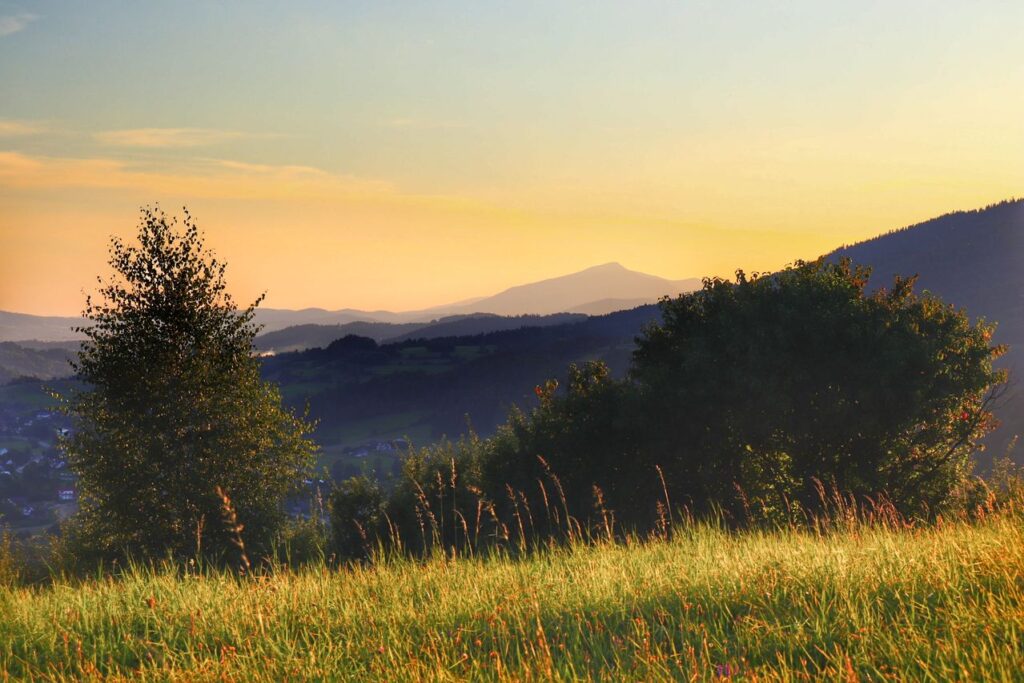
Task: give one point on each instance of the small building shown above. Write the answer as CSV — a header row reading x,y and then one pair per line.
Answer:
x,y
66,494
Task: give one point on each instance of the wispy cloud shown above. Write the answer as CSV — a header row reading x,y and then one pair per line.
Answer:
x,y
199,178
12,23
167,137
216,179
10,128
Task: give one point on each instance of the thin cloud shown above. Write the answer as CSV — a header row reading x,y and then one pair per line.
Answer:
x,y
9,129
12,23
167,137
212,178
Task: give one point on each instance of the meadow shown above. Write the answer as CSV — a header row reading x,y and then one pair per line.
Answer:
x,y
856,601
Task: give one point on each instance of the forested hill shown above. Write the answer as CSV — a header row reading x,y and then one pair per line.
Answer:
x,y
973,260
301,337
43,362
427,387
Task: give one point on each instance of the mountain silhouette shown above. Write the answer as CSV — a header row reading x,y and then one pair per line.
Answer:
x,y
972,260
580,292
594,291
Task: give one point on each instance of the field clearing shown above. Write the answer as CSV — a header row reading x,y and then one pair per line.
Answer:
x,y
930,604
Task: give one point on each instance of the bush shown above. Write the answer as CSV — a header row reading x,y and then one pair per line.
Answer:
x,y
303,541
771,383
357,518
760,397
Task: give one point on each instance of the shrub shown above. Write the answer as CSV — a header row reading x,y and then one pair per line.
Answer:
x,y
772,382
357,518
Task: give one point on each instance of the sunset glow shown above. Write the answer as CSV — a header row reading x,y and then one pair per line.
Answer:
x,y
398,155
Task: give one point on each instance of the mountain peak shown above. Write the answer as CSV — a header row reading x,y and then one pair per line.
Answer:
x,y
610,267
611,264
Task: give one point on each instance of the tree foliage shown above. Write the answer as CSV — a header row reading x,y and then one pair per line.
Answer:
x,y
357,517
768,383
752,396
175,406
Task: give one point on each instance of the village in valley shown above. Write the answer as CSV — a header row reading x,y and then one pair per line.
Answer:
x,y
37,488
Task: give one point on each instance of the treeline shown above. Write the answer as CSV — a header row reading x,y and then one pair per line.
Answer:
x,y
480,376
761,399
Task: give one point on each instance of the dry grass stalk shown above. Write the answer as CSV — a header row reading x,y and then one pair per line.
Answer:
x,y
234,527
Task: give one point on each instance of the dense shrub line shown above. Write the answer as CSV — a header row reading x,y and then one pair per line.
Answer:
x,y
755,399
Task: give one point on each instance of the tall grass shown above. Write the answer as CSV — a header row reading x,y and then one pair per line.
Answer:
x,y
857,600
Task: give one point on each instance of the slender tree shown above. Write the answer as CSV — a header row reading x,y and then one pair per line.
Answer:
x,y
174,409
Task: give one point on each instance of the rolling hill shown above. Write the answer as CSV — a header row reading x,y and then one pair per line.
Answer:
x,y
973,260
425,388
301,337
20,361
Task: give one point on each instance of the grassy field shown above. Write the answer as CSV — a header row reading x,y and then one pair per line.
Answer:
x,y
932,604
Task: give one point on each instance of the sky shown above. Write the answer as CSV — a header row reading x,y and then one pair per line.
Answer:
x,y
399,155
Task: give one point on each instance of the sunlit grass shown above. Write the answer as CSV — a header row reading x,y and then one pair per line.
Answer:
x,y
937,603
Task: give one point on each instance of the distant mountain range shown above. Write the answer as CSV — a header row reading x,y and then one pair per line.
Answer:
x,y
479,363
18,327
428,388
300,337
594,291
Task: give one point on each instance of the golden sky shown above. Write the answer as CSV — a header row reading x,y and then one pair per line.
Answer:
x,y
390,155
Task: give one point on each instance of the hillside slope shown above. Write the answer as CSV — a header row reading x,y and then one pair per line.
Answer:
x,y
973,260
301,337
428,387
868,604
20,361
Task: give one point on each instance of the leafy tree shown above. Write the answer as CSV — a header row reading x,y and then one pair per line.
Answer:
x,y
772,382
174,407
